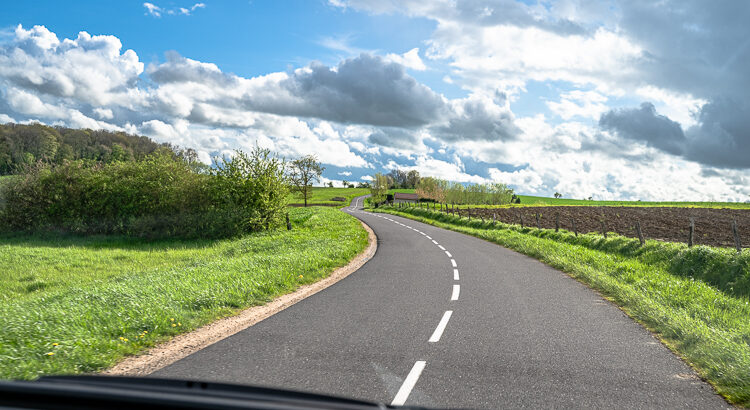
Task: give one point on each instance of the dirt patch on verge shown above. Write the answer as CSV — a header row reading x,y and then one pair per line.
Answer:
x,y
186,344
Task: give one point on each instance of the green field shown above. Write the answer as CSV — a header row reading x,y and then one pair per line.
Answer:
x,y
323,195
696,299
75,304
527,200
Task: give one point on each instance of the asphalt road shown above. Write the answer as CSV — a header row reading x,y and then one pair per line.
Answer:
x,y
441,319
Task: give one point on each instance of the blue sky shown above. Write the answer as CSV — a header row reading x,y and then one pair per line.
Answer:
x,y
611,99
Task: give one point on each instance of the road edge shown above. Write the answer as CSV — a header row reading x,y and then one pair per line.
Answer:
x,y
183,345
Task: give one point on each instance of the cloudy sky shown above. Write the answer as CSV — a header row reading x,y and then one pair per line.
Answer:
x,y
610,99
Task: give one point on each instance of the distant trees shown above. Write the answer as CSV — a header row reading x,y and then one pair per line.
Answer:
x,y
558,195
440,190
363,185
403,179
23,145
303,172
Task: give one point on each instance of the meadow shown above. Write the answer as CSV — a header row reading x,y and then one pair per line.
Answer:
x,y
527,200
696,300
530,200
324,195
74,304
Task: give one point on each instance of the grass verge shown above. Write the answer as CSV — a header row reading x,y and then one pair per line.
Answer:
x,y
657,284
75,305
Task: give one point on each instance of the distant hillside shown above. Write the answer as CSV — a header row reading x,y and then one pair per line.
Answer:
x,y
26,144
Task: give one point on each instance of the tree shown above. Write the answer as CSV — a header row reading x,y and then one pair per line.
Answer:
x,y
330,184
379,188
412,179
345,183
363,185
398,177
558,195
303,172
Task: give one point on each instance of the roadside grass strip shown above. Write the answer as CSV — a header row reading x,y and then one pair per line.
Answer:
x,y
78,305
694,299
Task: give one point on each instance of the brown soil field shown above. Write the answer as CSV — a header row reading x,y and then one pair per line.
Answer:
x,y
712,226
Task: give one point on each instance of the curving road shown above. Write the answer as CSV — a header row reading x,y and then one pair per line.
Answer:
x,y
440,319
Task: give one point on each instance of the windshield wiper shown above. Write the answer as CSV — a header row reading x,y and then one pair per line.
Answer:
x,y
97,392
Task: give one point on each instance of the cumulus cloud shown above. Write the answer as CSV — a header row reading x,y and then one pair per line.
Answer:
x,y
478,117
646,125
410,59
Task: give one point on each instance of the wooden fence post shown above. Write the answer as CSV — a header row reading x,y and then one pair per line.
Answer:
x,y
494,218
557,222
604,229
575,228
736,236
639,232
521,220
538,226
692,231
288,224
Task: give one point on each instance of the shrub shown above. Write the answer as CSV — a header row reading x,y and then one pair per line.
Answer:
x,y
160,196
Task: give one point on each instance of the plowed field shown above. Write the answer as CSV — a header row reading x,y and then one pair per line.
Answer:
x,y
712,226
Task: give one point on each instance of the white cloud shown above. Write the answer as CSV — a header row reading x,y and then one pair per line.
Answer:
x,y
156,11
410,59
152,9
345,173
577,103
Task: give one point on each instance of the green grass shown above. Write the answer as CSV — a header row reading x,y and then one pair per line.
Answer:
x,y
527,200
323,195
73,304
695,299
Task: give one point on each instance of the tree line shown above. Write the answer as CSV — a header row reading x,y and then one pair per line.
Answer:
x,y
440,190
23,145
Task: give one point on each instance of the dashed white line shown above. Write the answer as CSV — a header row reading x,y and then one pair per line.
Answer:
x,y
408,384
434,241
449,254
441,247
455,274
422,233
441,326
427,236
456,291
453,262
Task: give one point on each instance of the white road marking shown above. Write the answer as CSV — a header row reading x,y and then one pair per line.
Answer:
x,y
422,233
449,254
441,326
456,291
441,247
427,236
434,241
455,274
408,384
408,226
453,262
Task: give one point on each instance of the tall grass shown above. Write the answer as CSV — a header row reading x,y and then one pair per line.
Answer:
x,y
74,304
695,300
